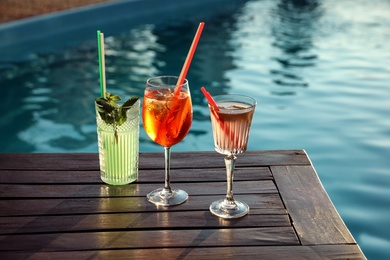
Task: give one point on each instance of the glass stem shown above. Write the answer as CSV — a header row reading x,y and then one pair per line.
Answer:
x,y
230,162
167,186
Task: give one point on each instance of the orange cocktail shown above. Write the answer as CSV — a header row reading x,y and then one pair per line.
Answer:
x,y
167,116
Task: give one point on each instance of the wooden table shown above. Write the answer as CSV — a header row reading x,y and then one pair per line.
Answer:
x,y
54,206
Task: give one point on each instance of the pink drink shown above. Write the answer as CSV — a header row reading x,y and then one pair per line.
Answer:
x,y
231,124
231,118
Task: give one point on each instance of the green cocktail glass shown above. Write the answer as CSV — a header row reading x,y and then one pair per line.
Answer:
x,y
118,145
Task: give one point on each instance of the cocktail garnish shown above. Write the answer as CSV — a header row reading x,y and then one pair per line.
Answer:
x,y
111,113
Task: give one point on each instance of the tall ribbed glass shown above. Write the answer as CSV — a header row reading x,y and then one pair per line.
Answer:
x,y
119,150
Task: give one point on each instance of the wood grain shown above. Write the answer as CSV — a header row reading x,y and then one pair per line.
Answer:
x,y
84,191
183,160
144,176
230,253
150,239
54,206
46,206
316,221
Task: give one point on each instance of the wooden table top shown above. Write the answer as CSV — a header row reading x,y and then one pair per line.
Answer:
x,y
54,206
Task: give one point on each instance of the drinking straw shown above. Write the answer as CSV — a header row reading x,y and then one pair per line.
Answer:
x,y
209,98
189,57
100,39
212,103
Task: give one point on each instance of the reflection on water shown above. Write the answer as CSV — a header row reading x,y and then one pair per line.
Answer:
x,y
211,59
52,101
319,70
53,93
295,22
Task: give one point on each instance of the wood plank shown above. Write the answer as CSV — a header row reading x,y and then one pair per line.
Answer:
x,y
246,252
135,189
50,161
90,161
56,204
313,214
213,159
34,207
202,219
144,176
150,239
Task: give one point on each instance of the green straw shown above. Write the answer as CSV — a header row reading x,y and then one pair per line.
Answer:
x,y
100,39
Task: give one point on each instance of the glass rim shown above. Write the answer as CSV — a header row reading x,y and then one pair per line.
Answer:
x,y
150,83
134,106
234,97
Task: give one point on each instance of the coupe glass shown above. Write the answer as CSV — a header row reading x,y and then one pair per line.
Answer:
x,y
167,118
231,122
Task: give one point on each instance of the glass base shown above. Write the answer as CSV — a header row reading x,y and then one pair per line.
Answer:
x,y
113,181
220,209
164,197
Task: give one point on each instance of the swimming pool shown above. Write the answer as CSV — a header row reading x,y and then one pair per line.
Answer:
x,y
319,70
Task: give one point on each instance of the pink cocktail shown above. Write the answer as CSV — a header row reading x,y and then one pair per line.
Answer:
x,y
231,121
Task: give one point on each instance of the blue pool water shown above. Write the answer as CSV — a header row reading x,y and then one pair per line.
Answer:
x,y
319,70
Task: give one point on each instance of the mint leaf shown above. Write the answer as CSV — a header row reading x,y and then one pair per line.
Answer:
x,y
126,106
111,113
105,110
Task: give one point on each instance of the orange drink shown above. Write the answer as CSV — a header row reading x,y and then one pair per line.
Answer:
x,y
167,116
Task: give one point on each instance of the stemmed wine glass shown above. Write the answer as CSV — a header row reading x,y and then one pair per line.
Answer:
x,y
231,119
167,118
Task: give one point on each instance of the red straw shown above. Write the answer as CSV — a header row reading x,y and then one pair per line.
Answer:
x,y
209,98
188,60
212,103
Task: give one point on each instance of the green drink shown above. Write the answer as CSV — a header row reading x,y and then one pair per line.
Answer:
x,y
118,139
